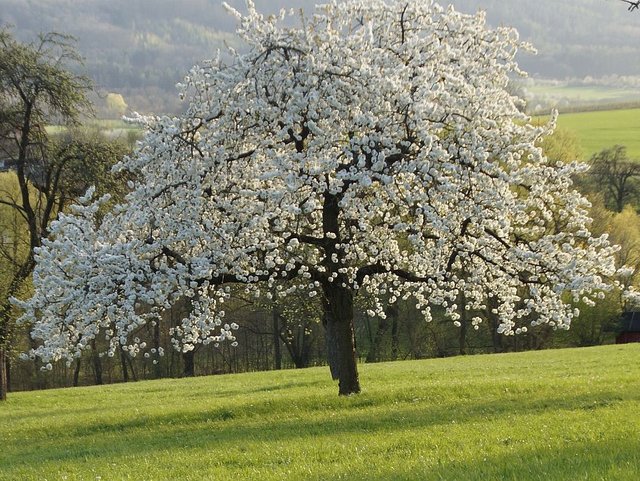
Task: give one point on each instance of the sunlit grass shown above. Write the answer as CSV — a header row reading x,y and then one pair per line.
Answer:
x,y
547,415
600,130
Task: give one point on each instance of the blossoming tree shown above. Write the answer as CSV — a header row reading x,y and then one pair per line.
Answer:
x,y
374,147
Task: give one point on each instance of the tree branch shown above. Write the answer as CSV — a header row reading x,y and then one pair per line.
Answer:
x,y
380,269
307,239
633,5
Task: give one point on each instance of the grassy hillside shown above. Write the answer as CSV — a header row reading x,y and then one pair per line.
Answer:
x,y
566,414
599,130
602,129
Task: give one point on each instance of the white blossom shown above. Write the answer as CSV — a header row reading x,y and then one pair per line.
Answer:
x,y
393,115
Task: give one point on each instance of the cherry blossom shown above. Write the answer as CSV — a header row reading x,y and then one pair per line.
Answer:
x,y
372,147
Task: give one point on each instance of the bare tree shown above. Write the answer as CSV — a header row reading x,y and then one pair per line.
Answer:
x,y
38,89
616,176
632,5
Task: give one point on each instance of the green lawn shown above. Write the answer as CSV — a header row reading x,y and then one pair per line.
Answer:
x,y
546,415
602,129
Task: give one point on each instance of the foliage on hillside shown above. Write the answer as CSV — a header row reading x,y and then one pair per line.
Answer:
x,y
141,48
573,39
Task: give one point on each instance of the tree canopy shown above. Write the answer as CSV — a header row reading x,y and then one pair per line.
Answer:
x,y
372,147
39,88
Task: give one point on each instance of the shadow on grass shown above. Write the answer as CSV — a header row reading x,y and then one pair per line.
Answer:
x,y
241,425
141,389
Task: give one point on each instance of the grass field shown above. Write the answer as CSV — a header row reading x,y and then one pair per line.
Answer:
x,y
546,415
602,129
595,130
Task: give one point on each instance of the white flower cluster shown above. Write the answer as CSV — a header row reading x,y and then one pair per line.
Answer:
x,y
374,147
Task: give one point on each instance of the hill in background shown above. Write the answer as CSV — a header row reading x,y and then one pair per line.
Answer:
x,y
142,48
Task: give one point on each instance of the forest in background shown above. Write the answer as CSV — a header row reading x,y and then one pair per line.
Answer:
x,y
275,335
141,48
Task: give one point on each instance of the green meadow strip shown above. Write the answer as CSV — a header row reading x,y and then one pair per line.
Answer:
x,y
545,415
599,130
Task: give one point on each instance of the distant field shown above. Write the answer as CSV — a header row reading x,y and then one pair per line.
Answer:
x,y
113,128
595,130
602,129
546,415
577,94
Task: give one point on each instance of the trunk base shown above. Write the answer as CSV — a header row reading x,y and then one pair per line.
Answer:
x,y
341,356
347,388
4,382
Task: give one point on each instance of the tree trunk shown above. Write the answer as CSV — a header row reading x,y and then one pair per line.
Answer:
x,y
7,364
97,363
157,370
338,305
340,336
305,349
331,346
189,364
464,324
391,312
76,373
277,352
4,385
395,339
496,339
374,351
97,368
462,337
298,349
123,362
132,368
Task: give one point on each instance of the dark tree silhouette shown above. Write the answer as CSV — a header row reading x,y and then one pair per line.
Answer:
x,y
616,176
38,87
632,5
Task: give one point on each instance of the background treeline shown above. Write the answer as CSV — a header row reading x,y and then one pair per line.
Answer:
x,y
277,333
288,333
142,48
272,334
